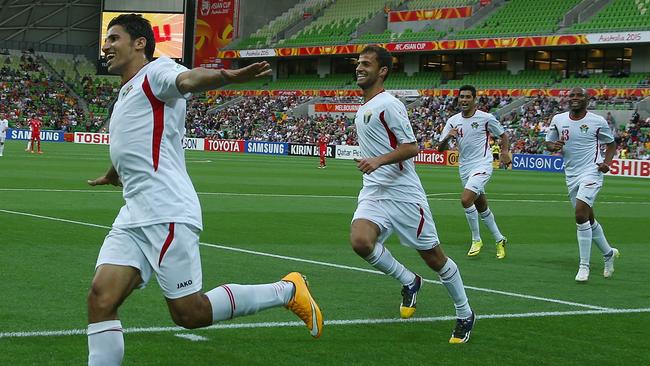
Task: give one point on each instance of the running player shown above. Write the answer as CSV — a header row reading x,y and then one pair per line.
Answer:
x,y
157,230
471,129
392,197
578,135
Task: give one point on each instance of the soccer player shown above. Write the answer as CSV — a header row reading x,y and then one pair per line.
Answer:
x,y
392,197
578,135
4,126
323,140
471,129
157,230
35,126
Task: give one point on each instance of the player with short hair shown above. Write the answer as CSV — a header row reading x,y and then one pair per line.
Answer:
x,y
471,128
323,140
578,135
157,230
392,197
35,126
4,126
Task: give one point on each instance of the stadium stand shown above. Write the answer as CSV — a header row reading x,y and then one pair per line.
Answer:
x,y
429,34
520,17
616,16
433,4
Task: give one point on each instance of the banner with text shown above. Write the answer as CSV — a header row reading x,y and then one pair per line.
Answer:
x,y
236,146
46,135
429,14
431,157
310,150
216,25
91,138
191,143
336,108
545,163
266,147
630,168
347,152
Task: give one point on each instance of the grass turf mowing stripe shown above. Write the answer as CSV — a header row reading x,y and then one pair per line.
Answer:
x,y
334,265
71,332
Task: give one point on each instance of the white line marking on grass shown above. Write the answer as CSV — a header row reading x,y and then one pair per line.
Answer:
x,y
192,337
333,265
278,195
543,314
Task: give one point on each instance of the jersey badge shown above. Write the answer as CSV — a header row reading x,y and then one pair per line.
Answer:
x,y
474,125
584,128
367,116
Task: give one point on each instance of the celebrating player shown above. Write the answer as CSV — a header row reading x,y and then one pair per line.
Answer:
x,y
157,230
471,129
392,197
35,126
578,135
323,140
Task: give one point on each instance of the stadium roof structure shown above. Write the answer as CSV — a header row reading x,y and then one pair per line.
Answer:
x,y
61,22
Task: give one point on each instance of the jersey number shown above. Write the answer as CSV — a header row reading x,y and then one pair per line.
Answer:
x,y
460,132
565,135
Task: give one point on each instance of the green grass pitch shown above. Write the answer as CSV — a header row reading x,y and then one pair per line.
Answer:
x,y
290,216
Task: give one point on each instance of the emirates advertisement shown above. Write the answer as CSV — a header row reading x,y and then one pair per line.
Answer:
x,y
216,26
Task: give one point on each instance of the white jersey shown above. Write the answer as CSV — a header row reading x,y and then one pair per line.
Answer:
x,y
146,133
473,138
382,124
4,124
582,142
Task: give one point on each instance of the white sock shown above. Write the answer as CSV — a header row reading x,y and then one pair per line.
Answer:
x,y
2,147
488,218
105,343
584,242
450,278
598,236
230,301
381,259
472,219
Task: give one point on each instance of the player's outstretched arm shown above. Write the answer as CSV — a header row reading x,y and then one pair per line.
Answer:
x,y
200,79
401,153
111,177
554,146
444,143
504,145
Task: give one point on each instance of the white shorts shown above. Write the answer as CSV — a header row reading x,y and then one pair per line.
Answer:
x,y
585,188
412,222
476,179
169,250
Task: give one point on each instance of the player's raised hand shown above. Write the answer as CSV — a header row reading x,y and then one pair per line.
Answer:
x,y
453,132
250,72
368,165
603,167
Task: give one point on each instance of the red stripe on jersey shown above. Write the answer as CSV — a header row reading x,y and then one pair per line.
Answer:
x,y
487,138
421,222
391,136
597,145
232,300
168,242
158,108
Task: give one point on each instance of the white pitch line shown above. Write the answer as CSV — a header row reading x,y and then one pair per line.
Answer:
x,y
278,195
543,314
192,337
334,265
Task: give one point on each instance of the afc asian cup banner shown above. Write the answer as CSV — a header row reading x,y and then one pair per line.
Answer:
x,y
310,150
91,138
545,163
236,146
431,157
430,14
266,147
46,135
216,25
347,152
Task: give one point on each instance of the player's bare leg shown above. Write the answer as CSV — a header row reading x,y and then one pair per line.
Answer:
x,y
111,285
488,219
363,238
467,199
449,275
